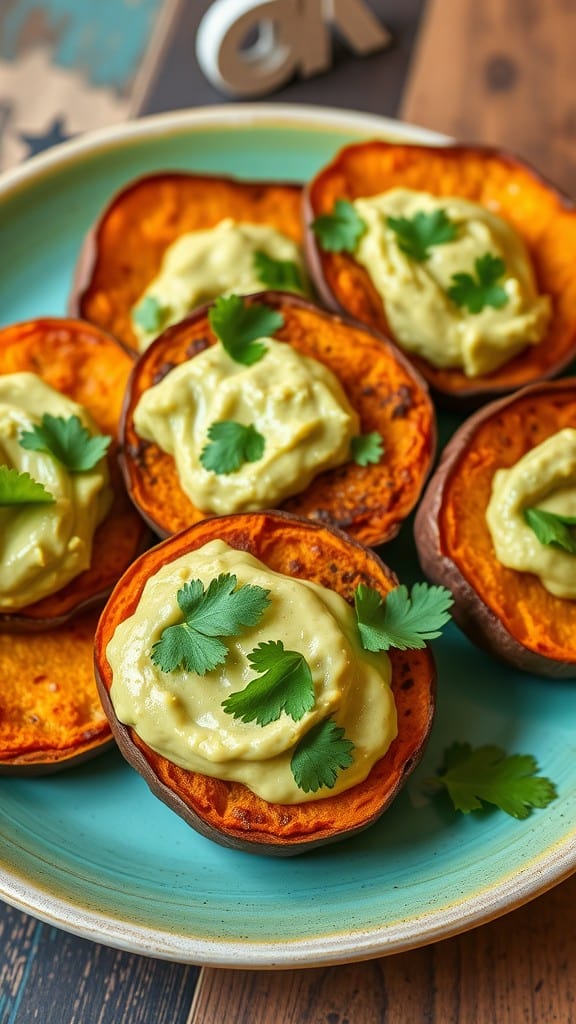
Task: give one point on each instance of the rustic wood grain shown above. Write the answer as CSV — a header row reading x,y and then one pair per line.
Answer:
x,y
520,969
49,977
502,72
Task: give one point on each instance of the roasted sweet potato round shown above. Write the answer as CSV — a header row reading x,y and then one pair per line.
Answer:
x,y
543,217
123,251
50,715
509,613
227,811
369,502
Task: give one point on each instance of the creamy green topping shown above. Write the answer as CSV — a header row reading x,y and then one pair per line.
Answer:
x,y
293,403
424,300
44,546
201,265
181,714
545,479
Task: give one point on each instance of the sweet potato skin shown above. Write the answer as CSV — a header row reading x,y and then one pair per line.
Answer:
x,y
369,502
540,213
50,715
123,251
509,614
227,812
90,367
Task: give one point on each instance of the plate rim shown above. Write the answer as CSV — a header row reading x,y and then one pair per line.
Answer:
x,y
551,868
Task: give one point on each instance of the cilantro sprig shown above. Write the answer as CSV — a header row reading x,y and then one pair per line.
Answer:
x,y
488,775
230,445
418,234
239,326
150,315
67,440
20,489
401,620
285,684
341,230
322,753
475,293
222,610
367,448
284,275
552,529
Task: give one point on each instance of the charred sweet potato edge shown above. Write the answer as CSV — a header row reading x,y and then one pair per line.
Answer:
x,y
90,367
368,502
540,213
508,613
228,812
123,251
46,649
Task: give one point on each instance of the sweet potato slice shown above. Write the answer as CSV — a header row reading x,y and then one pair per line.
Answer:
x,y
510,614
369,502
124,250
543,217
50,715
227,811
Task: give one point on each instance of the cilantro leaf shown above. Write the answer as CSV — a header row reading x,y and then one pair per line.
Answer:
x,y
418,234
239,326
285,684
483,290
219,611
489,775
551,528
20,489
282,274
150,315
68,440
341,230
320,755
231,445
367,448
401,620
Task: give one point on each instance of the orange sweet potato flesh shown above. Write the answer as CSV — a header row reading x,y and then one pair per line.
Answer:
x,y
227,811
543,217
509,613
50,715
124,250
369,502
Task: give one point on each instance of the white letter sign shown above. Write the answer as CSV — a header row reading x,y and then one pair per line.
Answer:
x,y
288,37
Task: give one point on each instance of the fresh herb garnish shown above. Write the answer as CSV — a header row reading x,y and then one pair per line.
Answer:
x,y
367,448
20,489
341,230
487,774
282,274
551,528
416,235
285,684
320,755
239,326
220,611
475,293
401,620
68,440
231,445
150,315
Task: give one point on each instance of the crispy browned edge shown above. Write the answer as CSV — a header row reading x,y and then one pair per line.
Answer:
x,y
475,618
87,256
136,758
479,392
276,299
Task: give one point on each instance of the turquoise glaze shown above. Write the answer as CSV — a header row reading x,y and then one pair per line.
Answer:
x,y
92,851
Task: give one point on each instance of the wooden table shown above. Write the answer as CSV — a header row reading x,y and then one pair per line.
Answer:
x,y
498,71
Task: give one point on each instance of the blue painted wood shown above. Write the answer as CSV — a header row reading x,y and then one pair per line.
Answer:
x,y
106,38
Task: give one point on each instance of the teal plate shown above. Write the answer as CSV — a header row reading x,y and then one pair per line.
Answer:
x,y
91,850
